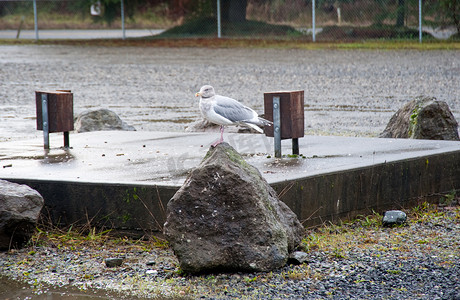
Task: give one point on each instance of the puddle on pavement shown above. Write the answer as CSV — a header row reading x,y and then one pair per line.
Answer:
x,y
47,157
61,157
286,162
12,289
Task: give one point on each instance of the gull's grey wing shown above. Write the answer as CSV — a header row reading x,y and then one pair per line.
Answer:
x,y
232,109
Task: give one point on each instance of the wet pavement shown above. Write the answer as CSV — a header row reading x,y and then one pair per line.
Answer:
x,y
161,158
347,93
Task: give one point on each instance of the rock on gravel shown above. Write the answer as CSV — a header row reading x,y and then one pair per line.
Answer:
x,y
100,119
226,217
20,208
394,217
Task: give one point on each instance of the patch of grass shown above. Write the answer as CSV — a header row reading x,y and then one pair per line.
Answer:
x,y
75,238
331,238
374,220
251,279
244,43
423,212
364,231
71,238
448,199
299,273
338,253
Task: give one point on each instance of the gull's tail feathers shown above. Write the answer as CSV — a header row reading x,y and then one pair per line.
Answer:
x,y
255,127
265,122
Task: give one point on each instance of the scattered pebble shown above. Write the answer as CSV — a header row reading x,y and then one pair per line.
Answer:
x,y
150,263
113,262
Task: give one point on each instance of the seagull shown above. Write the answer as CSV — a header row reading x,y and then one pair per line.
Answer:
x,y
224,111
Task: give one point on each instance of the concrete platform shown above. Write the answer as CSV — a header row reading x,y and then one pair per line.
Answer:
x,y
104,174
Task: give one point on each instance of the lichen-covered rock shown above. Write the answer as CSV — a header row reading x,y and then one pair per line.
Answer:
x,y
20,208
227,218
423,118
99,120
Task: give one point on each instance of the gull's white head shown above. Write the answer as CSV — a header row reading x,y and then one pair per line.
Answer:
x,y
206,91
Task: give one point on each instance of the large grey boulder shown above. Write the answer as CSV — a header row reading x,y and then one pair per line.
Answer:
x,y
99,120
226,217
423,118
20,208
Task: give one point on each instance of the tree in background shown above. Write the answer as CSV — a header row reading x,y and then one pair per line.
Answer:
x,y
234,10
400,13
231,10
452,10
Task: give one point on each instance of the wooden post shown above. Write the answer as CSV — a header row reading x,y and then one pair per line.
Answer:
x,y
54,114
290,107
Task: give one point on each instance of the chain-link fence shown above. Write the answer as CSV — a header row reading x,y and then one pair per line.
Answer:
x,y
317,20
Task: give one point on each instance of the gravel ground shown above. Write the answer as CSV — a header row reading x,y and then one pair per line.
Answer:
x,y
346,92
358,260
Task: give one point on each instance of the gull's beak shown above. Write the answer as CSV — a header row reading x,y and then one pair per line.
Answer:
x,y
198,94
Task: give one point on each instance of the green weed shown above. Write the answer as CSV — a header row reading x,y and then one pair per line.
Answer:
x,y
448,199
338,253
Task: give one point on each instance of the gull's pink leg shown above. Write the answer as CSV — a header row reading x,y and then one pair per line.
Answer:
x,y
221,137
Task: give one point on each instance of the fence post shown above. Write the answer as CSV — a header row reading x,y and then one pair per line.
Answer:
x,y
313,21
35,20
219,31
420,21
123,19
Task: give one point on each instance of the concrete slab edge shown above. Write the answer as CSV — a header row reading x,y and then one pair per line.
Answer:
x,y
315,199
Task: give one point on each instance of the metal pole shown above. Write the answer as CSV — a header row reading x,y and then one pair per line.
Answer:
x,y
66,140
313,21
123,20
35,20
295,146
46,130
420,21
219,31
277,126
